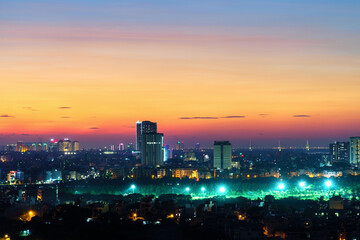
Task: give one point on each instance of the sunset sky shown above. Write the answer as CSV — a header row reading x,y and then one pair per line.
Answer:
x,y
203,70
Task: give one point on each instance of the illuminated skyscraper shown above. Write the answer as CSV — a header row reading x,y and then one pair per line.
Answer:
x,y
138,136
340,152
222,154
64,145
355,151
75,146
53,144
19,146
144,127
152,151
24,147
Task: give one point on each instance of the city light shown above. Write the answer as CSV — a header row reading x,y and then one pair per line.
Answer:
x,y
222,189
133,188
328,183
187,189
302,184
281,186
203,189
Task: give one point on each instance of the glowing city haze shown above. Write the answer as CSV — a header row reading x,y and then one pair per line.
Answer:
x,y
204,70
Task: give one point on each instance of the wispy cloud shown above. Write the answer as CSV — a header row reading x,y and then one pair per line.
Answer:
x,y
65,117
25,134
34,31
6,116
198,118
301,116
263,115
94,128
211,118
234,117
64,107
30,109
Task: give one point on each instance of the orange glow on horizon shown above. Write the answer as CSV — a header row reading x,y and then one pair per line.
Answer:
x,y
101,81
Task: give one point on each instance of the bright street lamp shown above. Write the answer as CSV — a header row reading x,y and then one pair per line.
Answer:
x,y
281,186
328,183
133,188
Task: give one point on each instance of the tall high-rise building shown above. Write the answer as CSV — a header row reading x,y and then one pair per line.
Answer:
x,y
152,151
75,146
25,146
19,146
138,136
144,127
53,144
64,145
222,154
355,151
340,152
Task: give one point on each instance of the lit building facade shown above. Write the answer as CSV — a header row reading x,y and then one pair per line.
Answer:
x,y
355,151
65,145
75,146
185,173
222,154
30,146
340,152
19,146
167,153
152,151
144,127
189,155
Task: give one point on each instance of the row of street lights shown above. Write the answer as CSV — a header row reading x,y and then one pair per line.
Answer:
x,y
281,186
187,189
203,189
302,184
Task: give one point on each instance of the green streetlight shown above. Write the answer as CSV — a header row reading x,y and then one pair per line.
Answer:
x,y
281,186
133,188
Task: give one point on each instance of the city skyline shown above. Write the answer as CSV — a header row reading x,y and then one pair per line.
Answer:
x,y
191,144
160,119
235,70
